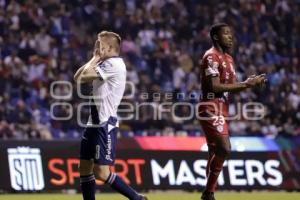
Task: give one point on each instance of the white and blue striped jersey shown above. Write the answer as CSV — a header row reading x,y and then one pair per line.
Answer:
x,y
108,90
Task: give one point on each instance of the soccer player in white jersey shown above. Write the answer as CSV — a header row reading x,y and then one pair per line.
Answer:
x,y
107,73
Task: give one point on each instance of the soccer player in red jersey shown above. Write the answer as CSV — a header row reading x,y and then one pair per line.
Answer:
x,y
217,79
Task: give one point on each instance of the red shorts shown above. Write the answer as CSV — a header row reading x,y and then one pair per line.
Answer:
x,y
213,115
214,126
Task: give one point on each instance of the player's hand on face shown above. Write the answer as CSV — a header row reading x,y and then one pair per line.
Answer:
x,y
96,52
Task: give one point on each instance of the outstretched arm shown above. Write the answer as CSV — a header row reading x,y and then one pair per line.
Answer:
x,y
236,87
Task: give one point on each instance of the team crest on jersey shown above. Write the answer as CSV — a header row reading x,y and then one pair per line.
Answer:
x,y
224,64
212,67
220,128
215,65
104,65
101,65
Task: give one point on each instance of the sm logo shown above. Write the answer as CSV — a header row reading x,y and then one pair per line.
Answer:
x,y
25,168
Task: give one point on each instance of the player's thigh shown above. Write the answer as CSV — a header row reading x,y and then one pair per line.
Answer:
x,y
102,172
105,148
216,133
87,146
215,121
223,145
86,167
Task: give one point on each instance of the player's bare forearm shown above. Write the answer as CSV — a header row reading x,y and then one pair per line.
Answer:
x,y
87,76
86,73
78,72
218,87
236,87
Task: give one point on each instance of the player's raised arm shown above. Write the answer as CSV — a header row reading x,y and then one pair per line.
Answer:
x,y
87,72
79,73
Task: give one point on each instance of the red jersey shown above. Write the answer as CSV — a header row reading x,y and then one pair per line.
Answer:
x,y
215,63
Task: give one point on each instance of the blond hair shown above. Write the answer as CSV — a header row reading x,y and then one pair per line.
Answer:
x,y
113,39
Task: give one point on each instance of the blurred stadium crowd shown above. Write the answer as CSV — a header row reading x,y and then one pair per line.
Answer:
x,y
163,41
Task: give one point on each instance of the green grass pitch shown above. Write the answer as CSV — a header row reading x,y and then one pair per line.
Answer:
x,y
163,196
